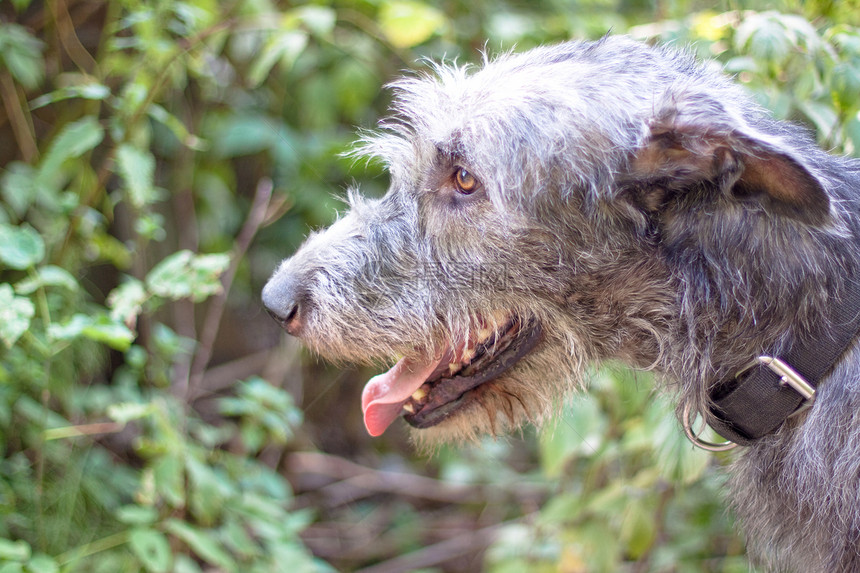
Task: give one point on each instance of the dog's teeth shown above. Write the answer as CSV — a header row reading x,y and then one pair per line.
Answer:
x,y
484,334
419,394
453,367
467,355
500,317
409,408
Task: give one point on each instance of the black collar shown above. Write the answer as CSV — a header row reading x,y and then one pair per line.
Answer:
x,y
757,401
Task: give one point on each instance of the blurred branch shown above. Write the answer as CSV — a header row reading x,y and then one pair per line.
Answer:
x,y
69,39
463,544
356,481
83,430
19,118
256,216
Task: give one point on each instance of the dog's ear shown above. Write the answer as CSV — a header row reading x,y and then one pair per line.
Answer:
x,y
679,155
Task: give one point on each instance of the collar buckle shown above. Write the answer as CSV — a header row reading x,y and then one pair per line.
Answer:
x,y
688,418
789,377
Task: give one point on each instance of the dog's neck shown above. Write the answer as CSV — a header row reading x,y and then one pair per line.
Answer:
x,y
729,371
757,401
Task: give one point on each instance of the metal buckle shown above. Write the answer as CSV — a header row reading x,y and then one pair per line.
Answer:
x,y
689,417
788,376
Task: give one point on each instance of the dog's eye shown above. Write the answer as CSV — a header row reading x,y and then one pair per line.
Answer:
x,y
466,182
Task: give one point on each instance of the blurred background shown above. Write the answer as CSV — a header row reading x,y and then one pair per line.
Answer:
x,y
160,157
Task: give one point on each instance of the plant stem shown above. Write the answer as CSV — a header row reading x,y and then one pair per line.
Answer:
x,y
92,548
256,216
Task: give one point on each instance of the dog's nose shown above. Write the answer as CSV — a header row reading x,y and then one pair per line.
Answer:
x,y
284,300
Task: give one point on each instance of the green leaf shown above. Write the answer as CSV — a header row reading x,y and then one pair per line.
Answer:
x,y
170,479
601,547
513,541
48,275
845,84
253,437
169,344
318,19
18,187
208,491
126,301
355,87
137,169
137,515
152,548
14,550
579,431
284,47
111,250
175,125
73,141
151,226
639,528
116,335
852,135
560,508
186,275
202,543
764,37
21,54
848,42
15,315
20,247
37,413
677,459
823,117
42,564
806,84
126,412
185,564
100,328
407,24
244,134
21,5
802,33
237,538
91,91
777,101
740,64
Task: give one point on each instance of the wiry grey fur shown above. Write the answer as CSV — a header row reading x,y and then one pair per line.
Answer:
x,y
641,207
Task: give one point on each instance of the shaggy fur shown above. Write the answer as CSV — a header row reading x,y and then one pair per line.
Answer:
x,y
640,207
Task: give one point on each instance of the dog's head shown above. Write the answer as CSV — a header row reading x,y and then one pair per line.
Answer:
x,y
537,214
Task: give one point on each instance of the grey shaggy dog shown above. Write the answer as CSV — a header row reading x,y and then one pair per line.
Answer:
x,y
594,201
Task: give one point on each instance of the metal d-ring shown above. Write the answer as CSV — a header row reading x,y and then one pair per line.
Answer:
x,y
698,442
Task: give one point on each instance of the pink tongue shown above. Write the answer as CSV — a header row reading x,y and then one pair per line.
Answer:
x,y
384,395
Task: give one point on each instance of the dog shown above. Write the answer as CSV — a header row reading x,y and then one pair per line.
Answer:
x,y
607,200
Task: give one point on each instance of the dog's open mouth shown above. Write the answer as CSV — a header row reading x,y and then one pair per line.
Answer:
x,y
426,393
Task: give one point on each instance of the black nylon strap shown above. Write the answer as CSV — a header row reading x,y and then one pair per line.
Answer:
x,y
756,404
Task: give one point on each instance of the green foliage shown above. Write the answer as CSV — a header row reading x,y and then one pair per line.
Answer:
x,y
90,275
186,275
630,489
140,137
15,316
407,24
21,54
267,413
800,72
